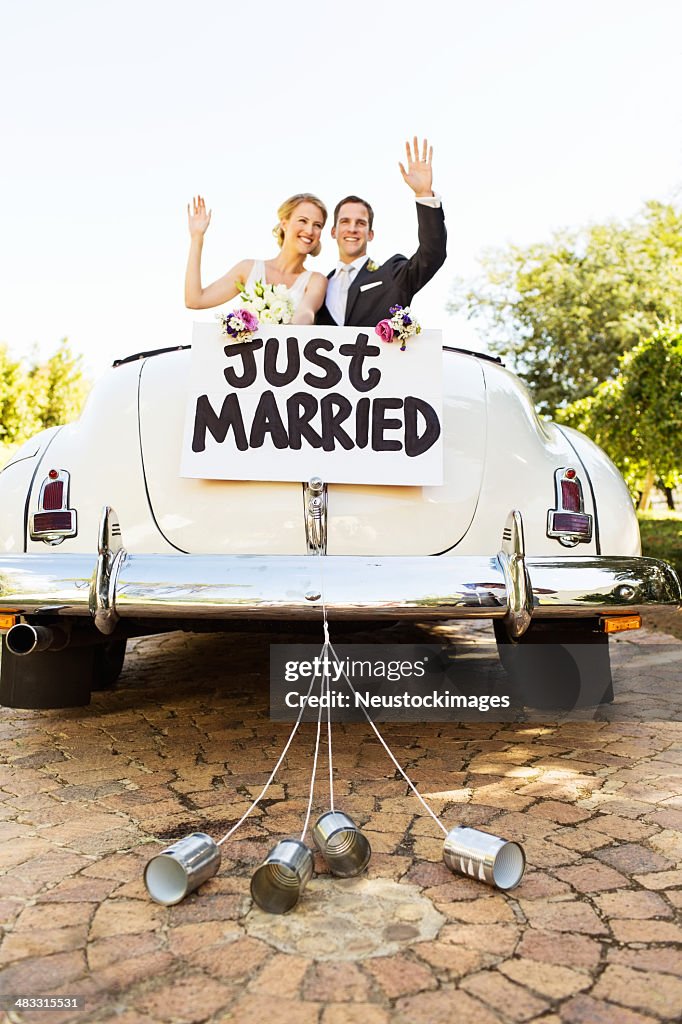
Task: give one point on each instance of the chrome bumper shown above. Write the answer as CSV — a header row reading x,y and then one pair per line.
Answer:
x,y
508,585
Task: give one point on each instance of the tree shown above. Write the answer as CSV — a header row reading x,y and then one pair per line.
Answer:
x,y
43,395
58,387
17,417
637,417
566,310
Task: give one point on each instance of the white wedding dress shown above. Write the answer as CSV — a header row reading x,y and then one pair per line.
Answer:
x,y
296,290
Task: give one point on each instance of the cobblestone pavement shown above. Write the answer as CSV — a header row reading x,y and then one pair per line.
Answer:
x,y
87,795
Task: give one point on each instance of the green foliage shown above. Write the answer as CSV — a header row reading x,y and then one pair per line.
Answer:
x,y
637,417
662,536
17,420
58,387
43,395
565,310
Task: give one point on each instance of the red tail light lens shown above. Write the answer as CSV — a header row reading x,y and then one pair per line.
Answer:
x,y
570,495
53,520
568,522
53,495
572,524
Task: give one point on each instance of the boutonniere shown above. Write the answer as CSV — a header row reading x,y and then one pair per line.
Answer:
x,y
371,266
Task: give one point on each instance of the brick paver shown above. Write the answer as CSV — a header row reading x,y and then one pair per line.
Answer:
x,y
592,935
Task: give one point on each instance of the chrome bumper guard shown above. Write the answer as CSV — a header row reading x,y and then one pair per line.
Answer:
x,y
506,585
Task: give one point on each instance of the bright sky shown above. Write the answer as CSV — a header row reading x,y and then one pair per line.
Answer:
x,y
542,115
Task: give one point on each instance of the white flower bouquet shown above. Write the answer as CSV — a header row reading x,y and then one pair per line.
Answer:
x,y
271,303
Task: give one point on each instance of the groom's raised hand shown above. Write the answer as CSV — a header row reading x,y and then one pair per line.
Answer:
x,y
419,173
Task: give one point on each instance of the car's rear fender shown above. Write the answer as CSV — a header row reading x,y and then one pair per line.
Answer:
x,y
15,485
617,529
523,453
101,453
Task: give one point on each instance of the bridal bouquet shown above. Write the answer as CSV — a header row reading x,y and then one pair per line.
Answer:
x,y
400,327
266,304
271,303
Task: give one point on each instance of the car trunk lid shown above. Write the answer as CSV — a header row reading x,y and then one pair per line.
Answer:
x,y
259,517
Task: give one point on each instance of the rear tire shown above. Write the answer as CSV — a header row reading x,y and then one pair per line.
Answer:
x,y
558,663
108,664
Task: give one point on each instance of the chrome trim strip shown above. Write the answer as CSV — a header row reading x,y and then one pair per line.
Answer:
x,y
275,586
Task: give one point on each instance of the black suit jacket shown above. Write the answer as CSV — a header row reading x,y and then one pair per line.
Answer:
x,y
396,281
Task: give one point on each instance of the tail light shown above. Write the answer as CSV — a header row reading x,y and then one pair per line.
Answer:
x,y
54,520
569,522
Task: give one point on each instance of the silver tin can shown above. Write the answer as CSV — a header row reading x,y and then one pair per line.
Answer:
x,y
277,884
467,851
342,844
181,868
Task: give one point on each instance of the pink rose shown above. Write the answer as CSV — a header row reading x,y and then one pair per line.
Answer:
x,y
385,330
248,319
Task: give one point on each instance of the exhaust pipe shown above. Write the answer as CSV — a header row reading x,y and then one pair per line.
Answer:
x,y
24,639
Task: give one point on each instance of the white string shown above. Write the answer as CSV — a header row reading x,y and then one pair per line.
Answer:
x,y
329,744
314,771
274,770
329,647
389,752
325,652
245,815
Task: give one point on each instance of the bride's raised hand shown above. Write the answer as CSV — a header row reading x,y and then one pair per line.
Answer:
x,y
197,217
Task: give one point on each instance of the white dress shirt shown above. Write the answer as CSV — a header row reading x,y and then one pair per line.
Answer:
x,y
336,302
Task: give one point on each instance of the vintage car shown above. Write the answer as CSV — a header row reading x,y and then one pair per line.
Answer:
x,y
102,539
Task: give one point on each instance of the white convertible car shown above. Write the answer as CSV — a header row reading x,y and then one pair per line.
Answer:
x,y
101,539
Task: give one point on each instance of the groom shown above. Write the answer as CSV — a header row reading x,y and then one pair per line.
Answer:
x,y
360,293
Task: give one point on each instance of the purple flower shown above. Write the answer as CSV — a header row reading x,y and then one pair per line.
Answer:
x,y
406,320
395,309
385,330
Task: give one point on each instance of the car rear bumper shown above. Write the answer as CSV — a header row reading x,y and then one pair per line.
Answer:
x,y
295,587
114,584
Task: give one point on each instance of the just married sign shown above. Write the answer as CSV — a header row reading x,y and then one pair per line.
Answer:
x,y
296,402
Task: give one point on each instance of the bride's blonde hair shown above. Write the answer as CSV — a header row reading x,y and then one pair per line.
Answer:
x,y
287,208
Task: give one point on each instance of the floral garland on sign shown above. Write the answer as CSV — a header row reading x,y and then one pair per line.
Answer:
x,y
266,304
401,326
238,325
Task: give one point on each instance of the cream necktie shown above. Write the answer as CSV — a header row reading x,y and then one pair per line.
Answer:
x,y
343,275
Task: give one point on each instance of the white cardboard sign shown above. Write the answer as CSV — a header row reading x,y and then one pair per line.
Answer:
x,y
297,402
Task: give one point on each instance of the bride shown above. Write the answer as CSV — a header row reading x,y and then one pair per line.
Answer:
x,y
301,219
